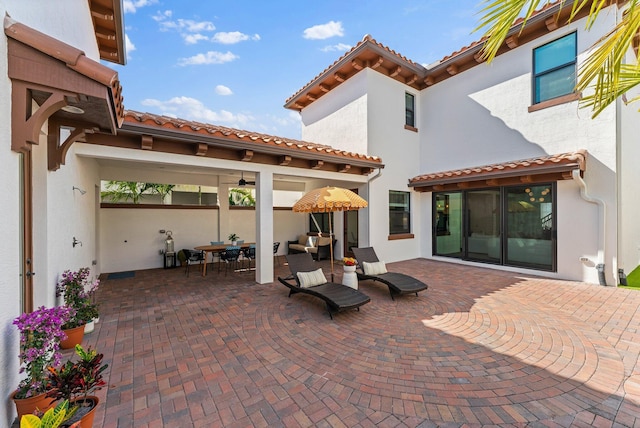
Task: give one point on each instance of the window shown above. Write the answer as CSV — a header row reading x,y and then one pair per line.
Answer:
x,y
510,225
322,220
554,69
399,213
410,108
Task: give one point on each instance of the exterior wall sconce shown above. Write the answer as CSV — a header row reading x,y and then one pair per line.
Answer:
x,y
76,242
82,192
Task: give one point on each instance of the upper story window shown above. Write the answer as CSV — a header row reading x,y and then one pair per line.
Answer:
x,y
554,69
399,212
410,109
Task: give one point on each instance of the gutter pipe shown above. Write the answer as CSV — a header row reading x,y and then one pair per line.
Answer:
x,y
575,174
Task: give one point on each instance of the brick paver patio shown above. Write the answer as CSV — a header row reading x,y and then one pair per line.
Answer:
x,y
481,347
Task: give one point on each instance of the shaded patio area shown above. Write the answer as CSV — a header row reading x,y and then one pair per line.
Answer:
x,y
480,347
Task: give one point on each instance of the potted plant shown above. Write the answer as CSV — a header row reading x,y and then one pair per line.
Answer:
x,y
233,238
40,336
52,418
75,380
73,288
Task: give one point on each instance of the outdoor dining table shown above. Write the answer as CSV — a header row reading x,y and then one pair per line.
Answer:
x,y
213,249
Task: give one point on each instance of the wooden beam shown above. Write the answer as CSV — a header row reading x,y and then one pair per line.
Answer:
x,y
479,57
411,80
316,164
438,187
339,77
452,69
146,142
357,64
101,12
105,33
324,88
462,185
512,42
526,179
429,80
367,171
377,63
395,71
551,23
202,149
344,167
246,155
311,97
492,182
284,160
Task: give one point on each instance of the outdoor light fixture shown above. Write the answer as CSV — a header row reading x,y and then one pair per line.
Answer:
x,y
82,192
72,109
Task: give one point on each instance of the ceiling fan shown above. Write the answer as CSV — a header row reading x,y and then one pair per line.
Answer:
x,y
242,182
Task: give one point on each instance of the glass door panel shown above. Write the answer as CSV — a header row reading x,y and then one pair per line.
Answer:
x,y
483,231
447,228
530,226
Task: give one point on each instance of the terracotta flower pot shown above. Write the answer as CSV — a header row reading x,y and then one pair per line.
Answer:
x,y
74,337
85,417
26,406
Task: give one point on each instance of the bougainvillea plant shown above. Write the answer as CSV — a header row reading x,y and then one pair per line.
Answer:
x,y
77,290
40,335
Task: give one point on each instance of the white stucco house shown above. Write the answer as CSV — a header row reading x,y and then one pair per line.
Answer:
x,y
460,161
490,164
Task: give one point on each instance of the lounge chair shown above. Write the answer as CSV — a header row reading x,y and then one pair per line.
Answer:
x,y
398,283
337,297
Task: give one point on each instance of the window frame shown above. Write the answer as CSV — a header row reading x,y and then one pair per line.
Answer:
x,y
410,111
405,232
569,96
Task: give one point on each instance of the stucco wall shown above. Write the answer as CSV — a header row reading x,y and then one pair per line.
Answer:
x,y
481,117
130,238
55,209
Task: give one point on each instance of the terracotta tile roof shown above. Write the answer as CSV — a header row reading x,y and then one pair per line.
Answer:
x,y
539,165
232,134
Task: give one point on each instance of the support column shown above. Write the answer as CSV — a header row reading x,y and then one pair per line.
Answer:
x,y
223,212
264,227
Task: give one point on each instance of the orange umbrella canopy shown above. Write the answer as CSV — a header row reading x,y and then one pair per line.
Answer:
x,y
327,199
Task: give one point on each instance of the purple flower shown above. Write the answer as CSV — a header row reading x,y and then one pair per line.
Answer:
x,y
40,335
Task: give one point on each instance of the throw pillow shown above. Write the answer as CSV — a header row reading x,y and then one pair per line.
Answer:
x,y
310,279
311,241
376,268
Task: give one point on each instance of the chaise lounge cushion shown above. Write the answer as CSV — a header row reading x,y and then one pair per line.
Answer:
x,y
374,268
311,279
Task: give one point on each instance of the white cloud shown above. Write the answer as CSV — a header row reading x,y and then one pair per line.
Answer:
x,y
131,6
190,30
192,39
223,90
211,57
229,38
340,47
128,46
192,109
324,31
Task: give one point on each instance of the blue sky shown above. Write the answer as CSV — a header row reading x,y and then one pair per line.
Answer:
x,y
234,63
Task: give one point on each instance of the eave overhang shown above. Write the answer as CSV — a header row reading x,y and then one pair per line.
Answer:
x,y
147,131
107,18
57,78
526,171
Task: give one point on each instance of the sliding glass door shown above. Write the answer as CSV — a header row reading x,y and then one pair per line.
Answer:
x,y
512,226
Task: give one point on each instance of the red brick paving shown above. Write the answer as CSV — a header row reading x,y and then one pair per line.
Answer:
x,y
481,347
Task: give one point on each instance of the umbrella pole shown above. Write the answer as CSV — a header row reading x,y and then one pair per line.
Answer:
x,y
331,246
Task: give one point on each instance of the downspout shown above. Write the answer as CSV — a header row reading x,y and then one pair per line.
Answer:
x,y
369,210
601,222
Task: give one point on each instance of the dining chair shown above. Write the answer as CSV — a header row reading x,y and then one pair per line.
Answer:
x,y
214,255
229,256
276,245
250,254
191,257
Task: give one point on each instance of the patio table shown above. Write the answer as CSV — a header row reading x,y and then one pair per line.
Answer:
x,y
213,249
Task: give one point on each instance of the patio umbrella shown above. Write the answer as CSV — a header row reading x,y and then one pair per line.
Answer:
x,y
329,199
